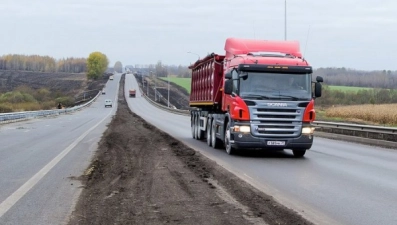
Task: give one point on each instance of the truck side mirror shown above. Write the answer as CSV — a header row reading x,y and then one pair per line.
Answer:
x,y
228,75
319,79
228,87
317,89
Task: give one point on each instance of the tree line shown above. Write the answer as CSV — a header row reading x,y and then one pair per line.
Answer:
x,y
161,70
356,78
95,65
39,63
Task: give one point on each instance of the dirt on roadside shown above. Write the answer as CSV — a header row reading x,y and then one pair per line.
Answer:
x,y
141,175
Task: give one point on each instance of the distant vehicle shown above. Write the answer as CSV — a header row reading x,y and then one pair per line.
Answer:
x,y
108,102
230,110
111,78
132,93
103,91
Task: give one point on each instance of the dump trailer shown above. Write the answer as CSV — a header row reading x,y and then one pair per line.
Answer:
x,y
132,93
258,95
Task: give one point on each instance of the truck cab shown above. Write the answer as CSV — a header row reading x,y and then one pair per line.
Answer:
x,y
259,95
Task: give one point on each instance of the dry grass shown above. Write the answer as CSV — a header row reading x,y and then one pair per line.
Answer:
x,y
385,114
26,106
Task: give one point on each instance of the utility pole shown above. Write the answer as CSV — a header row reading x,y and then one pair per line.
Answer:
x,y
285,19
168,78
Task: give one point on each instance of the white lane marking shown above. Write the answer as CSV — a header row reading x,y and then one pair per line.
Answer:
x,y
18,194
248,176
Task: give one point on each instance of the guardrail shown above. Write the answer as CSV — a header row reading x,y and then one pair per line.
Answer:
x,y
357,130
19,116
356,127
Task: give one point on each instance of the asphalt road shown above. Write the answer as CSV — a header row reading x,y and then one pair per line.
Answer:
x,y
336,183
40,157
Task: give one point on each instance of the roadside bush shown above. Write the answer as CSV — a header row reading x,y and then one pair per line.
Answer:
x,y
5,108
27,99
26,106
47,105
65,101
16,97
42,94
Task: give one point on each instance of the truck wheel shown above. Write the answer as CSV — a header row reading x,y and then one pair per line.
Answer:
x,y
200,133
209,130
192,121
228,146
215,142
299,153
196,127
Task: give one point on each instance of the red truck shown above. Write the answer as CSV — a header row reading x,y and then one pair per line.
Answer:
x,y
259,95
132,93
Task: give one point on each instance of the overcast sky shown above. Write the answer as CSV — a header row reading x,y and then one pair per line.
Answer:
x,y
357,34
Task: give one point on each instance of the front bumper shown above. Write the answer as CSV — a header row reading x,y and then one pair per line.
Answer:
x,y
247,141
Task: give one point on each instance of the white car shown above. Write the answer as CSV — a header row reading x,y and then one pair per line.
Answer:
x,y
108,102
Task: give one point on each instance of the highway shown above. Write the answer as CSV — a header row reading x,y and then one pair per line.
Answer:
x,y
336,183
40,159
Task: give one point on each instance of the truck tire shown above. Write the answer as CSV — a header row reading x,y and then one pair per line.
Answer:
x,y
228,146
209,130
193,128
215,142
200,133
298,153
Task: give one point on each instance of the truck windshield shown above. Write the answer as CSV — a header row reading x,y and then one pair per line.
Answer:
x,y
278,86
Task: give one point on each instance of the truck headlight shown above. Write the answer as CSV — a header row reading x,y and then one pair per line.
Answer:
x,y
242,129
308,130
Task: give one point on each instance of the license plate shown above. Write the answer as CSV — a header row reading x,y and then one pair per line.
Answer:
x,y
277,143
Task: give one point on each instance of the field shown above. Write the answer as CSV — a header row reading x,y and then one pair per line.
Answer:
x,y
348,88
183,82
384,114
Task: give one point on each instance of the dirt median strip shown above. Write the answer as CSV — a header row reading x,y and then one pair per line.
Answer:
x,y
141,175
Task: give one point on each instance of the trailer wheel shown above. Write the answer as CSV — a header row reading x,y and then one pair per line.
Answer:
x,y
215,142
193,122
208,132
228,146
193,129
299,153
200,133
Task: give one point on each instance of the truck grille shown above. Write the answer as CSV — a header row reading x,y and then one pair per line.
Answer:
x,y
276,121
